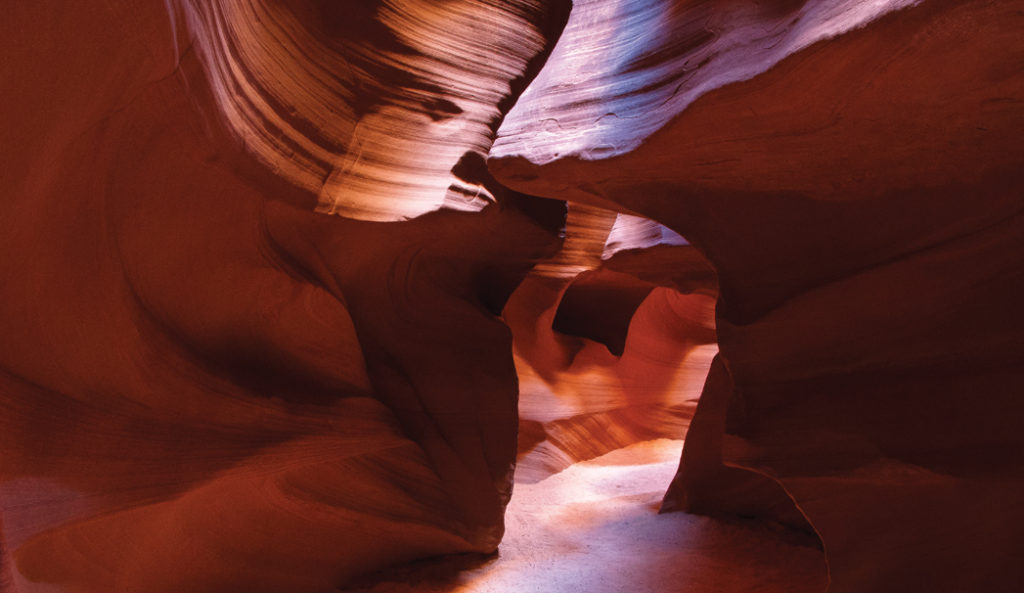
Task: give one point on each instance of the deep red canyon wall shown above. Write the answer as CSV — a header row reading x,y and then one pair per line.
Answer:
x,y
259,288
190,352
861,203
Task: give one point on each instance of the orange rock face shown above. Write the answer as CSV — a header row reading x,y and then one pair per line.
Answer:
x,y
289,289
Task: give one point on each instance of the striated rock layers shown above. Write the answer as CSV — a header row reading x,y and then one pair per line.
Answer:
x,y
266,311
208,386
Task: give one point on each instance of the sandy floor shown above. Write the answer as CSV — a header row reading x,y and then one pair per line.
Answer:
x,y
594,528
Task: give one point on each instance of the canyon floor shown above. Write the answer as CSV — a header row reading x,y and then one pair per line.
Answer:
x,y
569,532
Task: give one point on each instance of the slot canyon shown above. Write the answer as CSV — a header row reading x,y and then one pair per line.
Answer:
x,y
501,296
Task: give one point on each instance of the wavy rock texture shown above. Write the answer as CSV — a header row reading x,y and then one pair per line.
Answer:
x,y
613,356
270,320
207,386
368,105
622,70
861,204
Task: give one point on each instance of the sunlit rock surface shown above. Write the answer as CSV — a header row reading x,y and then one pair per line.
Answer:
x,y
269,321
622,70
612,356
367,105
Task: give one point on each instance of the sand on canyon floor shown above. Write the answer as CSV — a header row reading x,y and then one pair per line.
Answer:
x,y
595,528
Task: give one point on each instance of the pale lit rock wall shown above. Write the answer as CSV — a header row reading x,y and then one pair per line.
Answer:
x,y
622,70
367,105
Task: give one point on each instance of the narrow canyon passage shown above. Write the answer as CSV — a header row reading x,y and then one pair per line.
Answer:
x,y
600,421
301,296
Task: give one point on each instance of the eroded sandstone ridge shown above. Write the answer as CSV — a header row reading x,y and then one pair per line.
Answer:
x,y
287,287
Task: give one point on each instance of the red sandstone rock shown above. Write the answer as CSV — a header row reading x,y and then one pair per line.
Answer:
x,y
612,357
861,204
208,384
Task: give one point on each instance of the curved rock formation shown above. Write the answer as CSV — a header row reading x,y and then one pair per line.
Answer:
x,y
206,385
861,204
367,105
270,312
613,356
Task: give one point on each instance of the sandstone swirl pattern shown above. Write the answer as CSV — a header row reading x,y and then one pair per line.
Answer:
x,y
288,287
208,386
